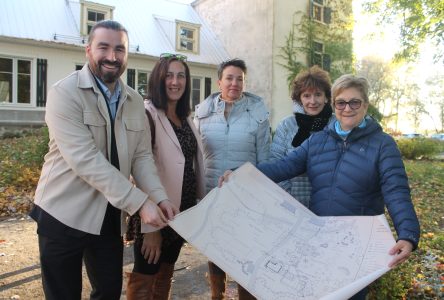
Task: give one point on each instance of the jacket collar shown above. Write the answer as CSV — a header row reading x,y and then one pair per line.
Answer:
x,y
86,81
357,132
212,105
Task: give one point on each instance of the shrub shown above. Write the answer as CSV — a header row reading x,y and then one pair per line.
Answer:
x,y
21,158
419,148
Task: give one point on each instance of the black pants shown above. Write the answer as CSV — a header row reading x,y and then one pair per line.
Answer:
x,y
61,264
169,255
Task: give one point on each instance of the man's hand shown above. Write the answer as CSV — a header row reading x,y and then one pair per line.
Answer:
x,y
151,246
168,208
401,251
151,214
224,178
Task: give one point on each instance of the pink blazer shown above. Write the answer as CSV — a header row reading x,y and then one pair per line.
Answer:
x,y
169,158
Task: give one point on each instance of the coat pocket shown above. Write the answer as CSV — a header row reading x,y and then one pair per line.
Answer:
x,y
93,119
134,129
135,124
97,126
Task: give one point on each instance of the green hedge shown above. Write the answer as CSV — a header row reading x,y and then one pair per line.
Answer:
x,y
420,148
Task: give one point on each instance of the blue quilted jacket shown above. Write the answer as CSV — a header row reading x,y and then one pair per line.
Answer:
x,y
355,176
229,143
299,187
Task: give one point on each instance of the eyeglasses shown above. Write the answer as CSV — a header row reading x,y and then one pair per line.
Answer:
x,y
353,103
180,57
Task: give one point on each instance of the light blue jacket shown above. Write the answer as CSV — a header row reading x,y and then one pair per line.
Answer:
x,y
228,143
299,187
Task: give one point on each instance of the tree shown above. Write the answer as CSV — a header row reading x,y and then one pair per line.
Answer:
x,y
436,94
379,74
420,20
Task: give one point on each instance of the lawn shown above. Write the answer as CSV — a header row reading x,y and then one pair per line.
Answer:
x,y
422,277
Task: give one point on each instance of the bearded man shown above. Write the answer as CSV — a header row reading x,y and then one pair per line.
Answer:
x,y
99,137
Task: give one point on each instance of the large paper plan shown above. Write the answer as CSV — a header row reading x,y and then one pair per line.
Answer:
x,y
277,249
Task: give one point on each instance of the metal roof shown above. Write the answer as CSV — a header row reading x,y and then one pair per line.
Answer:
x,y
151,25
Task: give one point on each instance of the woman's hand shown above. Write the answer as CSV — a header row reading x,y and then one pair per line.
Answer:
x,y
224,178
168,208
401,251
152,242
151,213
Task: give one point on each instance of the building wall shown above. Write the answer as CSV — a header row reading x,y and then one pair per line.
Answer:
x,y
254,31
61,61
285,16
245,29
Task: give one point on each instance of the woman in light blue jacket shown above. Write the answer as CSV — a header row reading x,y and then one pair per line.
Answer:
x,y
311,95
235,129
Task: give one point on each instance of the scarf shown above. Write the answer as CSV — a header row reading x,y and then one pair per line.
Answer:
x,y
308,124
343,133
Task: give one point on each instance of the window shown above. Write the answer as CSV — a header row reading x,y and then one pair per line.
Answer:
x,y
93,18
318,51
319,57
15,80
142,83
187,37
195,91
319,12
91,13
138,80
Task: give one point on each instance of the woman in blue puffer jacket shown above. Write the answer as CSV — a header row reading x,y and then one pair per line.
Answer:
x,y
354,168
235,129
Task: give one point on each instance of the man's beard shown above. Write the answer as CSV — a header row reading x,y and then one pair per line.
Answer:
x,y
107,76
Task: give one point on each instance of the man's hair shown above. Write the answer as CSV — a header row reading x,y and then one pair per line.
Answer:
x,y
351,81
235,62
313,78
108,24
157,90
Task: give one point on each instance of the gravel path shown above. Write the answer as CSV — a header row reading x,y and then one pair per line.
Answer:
x,y
20,271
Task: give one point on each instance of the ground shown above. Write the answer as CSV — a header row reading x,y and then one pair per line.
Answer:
x,y
20,271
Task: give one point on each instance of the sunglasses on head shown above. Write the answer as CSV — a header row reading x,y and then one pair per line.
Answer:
x,y
180,57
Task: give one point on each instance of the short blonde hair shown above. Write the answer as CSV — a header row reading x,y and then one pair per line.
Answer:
x,y
350,81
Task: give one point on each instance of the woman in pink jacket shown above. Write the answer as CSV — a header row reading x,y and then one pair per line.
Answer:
x,y
178,156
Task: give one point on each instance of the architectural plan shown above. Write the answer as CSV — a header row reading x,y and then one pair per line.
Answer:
x,y
278,249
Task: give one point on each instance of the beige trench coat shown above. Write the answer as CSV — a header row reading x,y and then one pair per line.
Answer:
x,y
77,179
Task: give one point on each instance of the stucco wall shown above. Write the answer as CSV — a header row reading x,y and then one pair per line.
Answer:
x,y
245,29
254,31
284,11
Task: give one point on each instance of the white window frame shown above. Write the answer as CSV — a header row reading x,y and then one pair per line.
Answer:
x,y
85,7
320,53
15,86
137,84
195,40
201,90
320,7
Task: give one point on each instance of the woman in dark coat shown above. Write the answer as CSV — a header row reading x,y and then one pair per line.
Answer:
x,y
354,168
